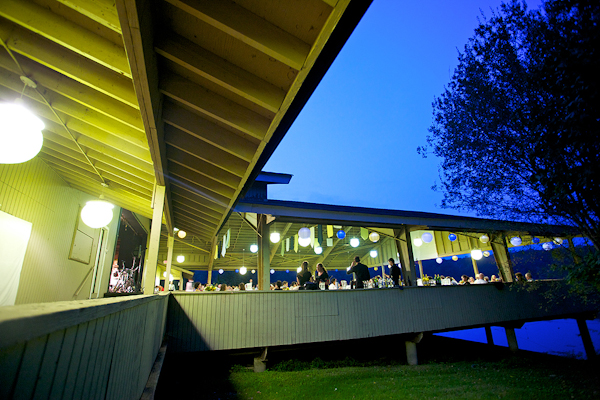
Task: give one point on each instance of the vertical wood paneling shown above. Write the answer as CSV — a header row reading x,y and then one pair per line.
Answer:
x,y
10,359
49,365
29,368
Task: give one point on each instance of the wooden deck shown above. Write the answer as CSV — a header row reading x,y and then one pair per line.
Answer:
x,y
238,320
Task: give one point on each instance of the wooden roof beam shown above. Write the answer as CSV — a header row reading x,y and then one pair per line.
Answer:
x,y
195,210
199,190
72,65
66,33
208,213
249,28
178,156
217,70
192,217
201,180
190,195
103,12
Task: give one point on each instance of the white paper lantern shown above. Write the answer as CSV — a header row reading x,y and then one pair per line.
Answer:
x,y
354,242
374,237
97,213
275,237
484,238
253,248
427,237
180,258
253,271
486,253
304,233
182,234
557,241
221,271
515,241
373,253
21,136
303,242
547,246
272,271
418,242
318,250
476,254
438,260
243,270
454,258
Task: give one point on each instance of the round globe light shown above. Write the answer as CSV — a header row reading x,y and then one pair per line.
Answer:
x,y
21,136
418,242
318,250
373,253
374,237
253,271
515,241
180,259
376,269
484,238
438,260
299,269
454,258
354,242
476,254
535,240
97,213
272,271
275,237
303,242
181,234
547,246
243,270
557,241
341,234
221,271
427,237
287,270
452,237
253,248
486,254
237,270
304,233
170,277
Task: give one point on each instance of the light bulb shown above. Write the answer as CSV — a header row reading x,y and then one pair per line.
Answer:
x,y
272,271
484,238
354,242
374,237
97,213
418,242
373,253
438,260
318,250
221,271
427,237
180,258
275,237
476,254
21,136
253,248
181,234
454,258
243,270
303,242
304,233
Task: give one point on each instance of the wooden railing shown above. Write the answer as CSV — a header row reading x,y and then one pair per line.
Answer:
x,y
92,349
236,320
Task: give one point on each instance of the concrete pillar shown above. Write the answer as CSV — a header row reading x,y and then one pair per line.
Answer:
x,y
170,241
154,241
264,253
500,249
259,365
407,261
588,345
511,337
488,335
411,349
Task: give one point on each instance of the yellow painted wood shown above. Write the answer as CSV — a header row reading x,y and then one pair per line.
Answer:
x,y
72,65
203,63
66,33
200,166
152,255
202,212
199,179
102,11
191,197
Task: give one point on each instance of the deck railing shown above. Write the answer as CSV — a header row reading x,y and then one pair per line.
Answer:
x,y
92,349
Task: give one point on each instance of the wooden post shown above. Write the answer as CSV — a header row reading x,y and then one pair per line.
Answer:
x,y
488,335
475,269
500,249
511,337
152,255
421,268
170,241
407,261
211,260
264,253
588,345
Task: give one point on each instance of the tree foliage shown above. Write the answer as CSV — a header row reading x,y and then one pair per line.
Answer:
x,y
517,127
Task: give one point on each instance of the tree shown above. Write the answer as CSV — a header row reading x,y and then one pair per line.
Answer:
x,y
517,127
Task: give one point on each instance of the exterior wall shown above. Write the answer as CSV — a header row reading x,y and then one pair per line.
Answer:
x,y
93,349
32,191
236,320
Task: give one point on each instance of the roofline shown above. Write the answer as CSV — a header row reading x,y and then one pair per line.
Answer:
x,y
273,178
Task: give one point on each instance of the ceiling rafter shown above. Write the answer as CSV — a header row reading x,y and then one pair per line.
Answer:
x,y
101,11
192,176
196,164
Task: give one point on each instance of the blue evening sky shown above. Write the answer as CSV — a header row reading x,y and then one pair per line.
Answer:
x,y
355,141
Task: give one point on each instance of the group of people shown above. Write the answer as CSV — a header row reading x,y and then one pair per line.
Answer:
x,y
482,279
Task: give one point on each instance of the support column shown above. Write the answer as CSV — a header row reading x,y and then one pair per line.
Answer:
x,y
407,261
411,349
264,253
488,335
588,345
152,255
170,241
500,249
420,268
211,260
511,337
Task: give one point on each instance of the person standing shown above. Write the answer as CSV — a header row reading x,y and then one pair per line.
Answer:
x,y
361,271
304,275
321,275
394,272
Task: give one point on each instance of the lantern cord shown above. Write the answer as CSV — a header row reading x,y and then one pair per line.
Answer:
x,y
53,111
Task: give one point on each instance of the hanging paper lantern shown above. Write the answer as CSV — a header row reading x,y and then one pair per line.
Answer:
x,y
272,271
21,136
253,248
486,253
438,260
452,237
253,271
484,238
427,237
182,234
303,242
373,253
299,269
454,258
341,234
318,250
180,259
535,240
275,237
418,242
304,233
374,237
557,241
515,241
354,242
547,246
221,271
97,213
376,269
287,270
243,270
476,254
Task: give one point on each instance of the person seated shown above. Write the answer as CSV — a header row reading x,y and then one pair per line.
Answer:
x,y
528,277
278,285
493,279
242,286
285,285
464,280
480,279
519,277
471,280
197,287
334,285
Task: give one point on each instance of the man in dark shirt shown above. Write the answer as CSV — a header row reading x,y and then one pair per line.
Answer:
x,y
361,271
394,272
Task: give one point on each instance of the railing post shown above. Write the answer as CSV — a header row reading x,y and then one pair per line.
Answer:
x,y
152,257
170,242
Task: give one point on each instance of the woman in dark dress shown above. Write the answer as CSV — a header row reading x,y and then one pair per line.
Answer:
x,y
304,275
322,276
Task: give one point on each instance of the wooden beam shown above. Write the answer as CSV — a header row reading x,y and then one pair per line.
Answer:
x,y
200,166
201,128
189,195
208,214
214,105
217,70
201,180
103,12
65,62
184,213
249,28
207,194
66,33
154,240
